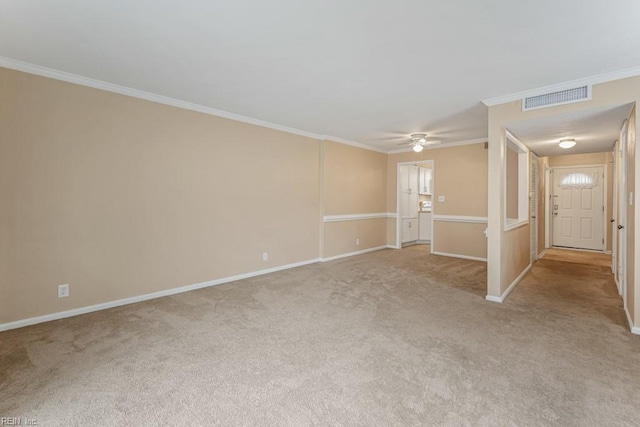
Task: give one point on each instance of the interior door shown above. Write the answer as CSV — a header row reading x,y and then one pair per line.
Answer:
x,y
578,207
621,219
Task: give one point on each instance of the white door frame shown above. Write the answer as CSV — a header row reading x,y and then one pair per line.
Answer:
x,y
534,216
604,200
399,219
614,213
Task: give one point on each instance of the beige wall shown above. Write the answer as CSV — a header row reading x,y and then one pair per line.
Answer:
x,y
121,197
340,237
501,243
460,238
460,175
586,159
354,182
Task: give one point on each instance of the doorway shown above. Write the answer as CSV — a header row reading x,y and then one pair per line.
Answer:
x,y
415,187
578,208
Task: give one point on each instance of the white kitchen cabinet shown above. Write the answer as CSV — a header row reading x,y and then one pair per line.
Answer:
x,y
409,230
409,196
425,226
425,181
413,176
409,186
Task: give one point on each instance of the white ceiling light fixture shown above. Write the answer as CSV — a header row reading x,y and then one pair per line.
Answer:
x,y
567,143
419,140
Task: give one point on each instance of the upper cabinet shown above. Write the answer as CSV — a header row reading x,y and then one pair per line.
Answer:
x,y
409,188
409,180
425,181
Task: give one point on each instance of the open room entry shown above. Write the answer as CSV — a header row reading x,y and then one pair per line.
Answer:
x,y
415,187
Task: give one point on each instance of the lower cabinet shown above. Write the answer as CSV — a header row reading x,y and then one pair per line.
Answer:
x,y
409,230
425,226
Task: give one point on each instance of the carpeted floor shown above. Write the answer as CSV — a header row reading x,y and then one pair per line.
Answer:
x,y
578,257
396,337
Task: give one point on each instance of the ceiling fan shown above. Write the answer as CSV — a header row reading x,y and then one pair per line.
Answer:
x,y
419,141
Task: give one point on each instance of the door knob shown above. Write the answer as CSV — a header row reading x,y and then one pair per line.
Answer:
x,y
620,227
612,220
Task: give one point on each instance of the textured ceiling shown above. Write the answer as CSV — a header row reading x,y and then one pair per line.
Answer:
x,y
594,130
366,71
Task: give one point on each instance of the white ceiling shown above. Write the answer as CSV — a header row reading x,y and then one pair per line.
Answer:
x,y
595,130
369,71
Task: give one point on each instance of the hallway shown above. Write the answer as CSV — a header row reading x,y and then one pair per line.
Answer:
x,y
577,290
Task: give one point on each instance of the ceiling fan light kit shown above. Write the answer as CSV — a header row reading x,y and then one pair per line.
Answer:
x,y
419,141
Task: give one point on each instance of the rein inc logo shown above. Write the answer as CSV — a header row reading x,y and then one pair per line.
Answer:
x,y
18,421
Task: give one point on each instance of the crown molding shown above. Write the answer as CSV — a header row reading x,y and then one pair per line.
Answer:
x,y
147,96
353,144
443,145
161,99
592,80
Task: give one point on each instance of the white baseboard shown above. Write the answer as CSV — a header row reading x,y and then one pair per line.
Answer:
x,y
364,251
393,247
506,293
634,330
541,254
472,258
607,252
146,297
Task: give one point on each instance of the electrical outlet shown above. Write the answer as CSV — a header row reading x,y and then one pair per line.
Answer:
x,y
357,242
441,198
265,256
63,290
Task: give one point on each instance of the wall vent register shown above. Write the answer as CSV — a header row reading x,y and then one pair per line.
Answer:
x,y
567,96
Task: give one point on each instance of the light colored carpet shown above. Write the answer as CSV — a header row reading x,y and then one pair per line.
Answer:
x,y
396,337
578,257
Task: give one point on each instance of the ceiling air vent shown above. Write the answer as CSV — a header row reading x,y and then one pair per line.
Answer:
x,y
576,94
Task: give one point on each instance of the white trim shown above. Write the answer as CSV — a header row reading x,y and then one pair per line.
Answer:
x,y
592,80
443,145
633,329
513,224
352,143
461,218
64,76
146,297
472,258
506,293
542,254
350,254
512,142
356,217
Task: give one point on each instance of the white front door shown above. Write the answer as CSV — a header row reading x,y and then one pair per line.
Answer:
x,y
578,207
